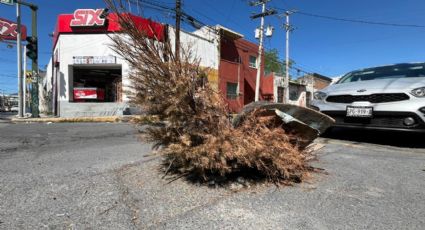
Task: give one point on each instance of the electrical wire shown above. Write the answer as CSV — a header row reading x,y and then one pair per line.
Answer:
x,y
154,5
294,66
167,9
361,21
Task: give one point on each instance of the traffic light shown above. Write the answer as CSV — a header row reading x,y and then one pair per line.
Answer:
x,y
32,50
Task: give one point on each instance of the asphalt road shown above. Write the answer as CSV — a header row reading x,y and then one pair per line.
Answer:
x,y
100,176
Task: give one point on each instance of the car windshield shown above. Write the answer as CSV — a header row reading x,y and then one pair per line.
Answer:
x,y
385,72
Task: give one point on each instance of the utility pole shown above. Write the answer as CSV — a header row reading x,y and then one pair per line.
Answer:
x,y
33,55
24,82
288,29
19,50
34,36
263,14
178,19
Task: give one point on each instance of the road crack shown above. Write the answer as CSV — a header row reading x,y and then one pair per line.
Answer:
x,y
125,196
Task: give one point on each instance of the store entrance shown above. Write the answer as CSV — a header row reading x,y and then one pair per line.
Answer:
x,y
97,84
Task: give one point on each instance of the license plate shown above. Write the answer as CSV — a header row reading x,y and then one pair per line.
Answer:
x,y
359,111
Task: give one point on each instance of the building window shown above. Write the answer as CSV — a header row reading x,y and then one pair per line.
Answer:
x,y
293,95
280,91
232,90
253,61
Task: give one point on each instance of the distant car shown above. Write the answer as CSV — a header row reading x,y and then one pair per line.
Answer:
x,y
14,109
388,97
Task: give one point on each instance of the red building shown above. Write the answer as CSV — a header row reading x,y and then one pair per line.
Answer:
x,y
238,70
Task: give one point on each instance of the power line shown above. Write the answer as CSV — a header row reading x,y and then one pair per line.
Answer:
x,y
159,2
39,52
6,60
8,76
167,9
306,68
293,66
228,19
361,21
204,16
187,18
154,5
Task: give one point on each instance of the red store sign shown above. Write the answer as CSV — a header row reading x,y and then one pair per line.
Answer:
x,y
88,18
97,21
9,30
89,93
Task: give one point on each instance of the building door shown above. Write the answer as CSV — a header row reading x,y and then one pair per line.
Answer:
x,y
97,84
249,93
308,100
280,93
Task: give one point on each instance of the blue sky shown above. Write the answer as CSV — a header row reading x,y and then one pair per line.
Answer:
x,y
328,47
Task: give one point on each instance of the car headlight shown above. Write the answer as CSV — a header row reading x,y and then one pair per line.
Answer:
x,y
320,95
419,92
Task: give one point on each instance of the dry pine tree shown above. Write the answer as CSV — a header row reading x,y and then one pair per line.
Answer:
x,y
197,137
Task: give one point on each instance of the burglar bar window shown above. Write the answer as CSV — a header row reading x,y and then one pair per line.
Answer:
x,y
232,90
252,61
293,95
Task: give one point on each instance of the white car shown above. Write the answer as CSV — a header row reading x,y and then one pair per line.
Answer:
x,y
385,97
14,109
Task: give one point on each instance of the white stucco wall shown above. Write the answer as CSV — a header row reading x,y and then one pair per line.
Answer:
x,y
204,49
71,45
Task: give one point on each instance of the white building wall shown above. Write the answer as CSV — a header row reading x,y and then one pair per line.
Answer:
x,y
208,33
47,81
277,82
71,45
202,48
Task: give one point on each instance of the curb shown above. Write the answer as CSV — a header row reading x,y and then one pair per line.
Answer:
x,y
130,118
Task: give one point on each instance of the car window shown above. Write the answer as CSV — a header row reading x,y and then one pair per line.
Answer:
x,y
385,72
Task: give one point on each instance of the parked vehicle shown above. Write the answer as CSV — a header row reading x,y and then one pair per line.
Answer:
x,y
14,109
386,97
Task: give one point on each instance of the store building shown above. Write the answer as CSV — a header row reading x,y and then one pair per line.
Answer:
x,y
86,77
